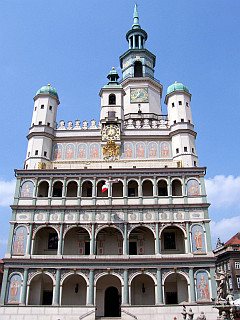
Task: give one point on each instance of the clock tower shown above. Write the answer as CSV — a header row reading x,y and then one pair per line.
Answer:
x,y
143,91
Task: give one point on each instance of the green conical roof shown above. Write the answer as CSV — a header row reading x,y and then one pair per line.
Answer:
x,y
48,90
177,86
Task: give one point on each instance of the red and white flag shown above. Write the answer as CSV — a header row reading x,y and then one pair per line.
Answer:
x,y
106,184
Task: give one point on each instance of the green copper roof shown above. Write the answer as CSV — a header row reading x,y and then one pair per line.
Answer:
x,y
177,87
136,24
48,90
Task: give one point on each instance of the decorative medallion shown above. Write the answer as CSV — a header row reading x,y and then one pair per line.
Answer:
x,y
139,95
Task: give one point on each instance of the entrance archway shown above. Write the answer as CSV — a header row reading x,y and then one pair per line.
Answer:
x,y
175,289
41,290
112,302
142,290
108,296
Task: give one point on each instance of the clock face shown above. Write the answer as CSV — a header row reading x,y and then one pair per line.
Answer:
x,y
139,95
111,132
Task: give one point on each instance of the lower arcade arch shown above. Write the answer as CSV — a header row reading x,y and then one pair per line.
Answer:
x,y
142,290
41,290
76,242
108,296
175,289
74,291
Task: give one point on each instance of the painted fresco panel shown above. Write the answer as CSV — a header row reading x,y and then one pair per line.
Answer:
x,y
14,289
82,151
198,239
27,189
152,150
57,151
94,151
69,151
165,150
140,150
20,241
128,150
202,283
193,188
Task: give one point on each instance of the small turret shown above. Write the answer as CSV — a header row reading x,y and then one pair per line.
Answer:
x,y
112,99
178,100
42,128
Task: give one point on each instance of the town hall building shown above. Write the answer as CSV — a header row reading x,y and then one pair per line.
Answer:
x,y
110,218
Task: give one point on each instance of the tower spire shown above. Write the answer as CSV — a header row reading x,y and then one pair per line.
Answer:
x,y
136,24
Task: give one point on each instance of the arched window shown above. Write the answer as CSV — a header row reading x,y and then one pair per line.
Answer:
x,y
57,189
138,72
72,189
147,188
43,189
112,99
162,188
87,189
176,188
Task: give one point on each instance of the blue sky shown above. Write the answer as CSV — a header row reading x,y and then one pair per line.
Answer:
x,y
73,44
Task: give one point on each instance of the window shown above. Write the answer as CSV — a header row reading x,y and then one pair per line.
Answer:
x,y
177,150
87,247
169,240
112,99
173,104
237,265
180,103
174,121
225,267
50,108
133,248
185,149
45,153
131,192
235,249
195,163
42,106
193,151
189,121
48,124
111,114
138,69
187,104
36,152
230,283
40,123
238,282
35,108
229,267
182,120
28,154
52,241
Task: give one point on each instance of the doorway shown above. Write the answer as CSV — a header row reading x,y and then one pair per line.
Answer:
x,y
112,302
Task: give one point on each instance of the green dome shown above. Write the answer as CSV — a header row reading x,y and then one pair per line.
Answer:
x,y
48,90
177,87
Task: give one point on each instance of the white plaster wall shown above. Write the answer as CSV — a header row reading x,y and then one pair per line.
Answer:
x,y
45,115
179,112
72,239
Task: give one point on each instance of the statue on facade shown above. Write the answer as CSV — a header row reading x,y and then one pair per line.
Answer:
x,y
221,283
201,316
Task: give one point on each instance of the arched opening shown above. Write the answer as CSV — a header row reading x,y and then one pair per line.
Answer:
x,y
87,189
43,189
109,242
46,242
142,290
172,240
108,296
176,188
138,72
99,189
57,189
132,188
117,189
41,290
72,188
176,289
141,242
74,291
112,99
77,242
162,188
147,188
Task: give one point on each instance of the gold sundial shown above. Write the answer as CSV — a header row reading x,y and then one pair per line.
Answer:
x,y
139,95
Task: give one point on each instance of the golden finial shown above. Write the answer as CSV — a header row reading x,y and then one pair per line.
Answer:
x,y
49,85
175,81
113,68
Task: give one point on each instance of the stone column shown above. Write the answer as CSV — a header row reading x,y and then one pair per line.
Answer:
x,y
134,42
188,238
208,236
92,243
192,285
169,189
155,194
4,287
79,193
57,288
60,241
28,251
94,190
91,288
110,192
10,240
24,287
17,191
125,194
125,240
140,190
139,42
50,190
34,200
159,287
125,290
184,190
213,283
64,189
157,244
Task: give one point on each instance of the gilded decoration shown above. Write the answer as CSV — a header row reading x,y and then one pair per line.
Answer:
x,y
111,151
